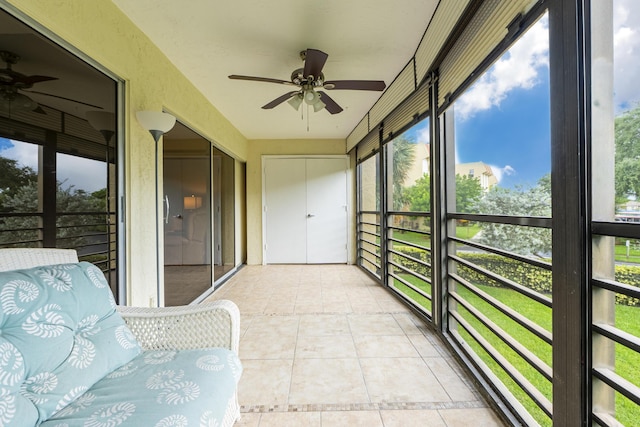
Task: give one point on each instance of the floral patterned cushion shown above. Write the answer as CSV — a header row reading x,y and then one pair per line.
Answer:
x,y
59,335
159,388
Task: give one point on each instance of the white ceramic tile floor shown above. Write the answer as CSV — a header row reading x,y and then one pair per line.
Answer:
x,y
325,345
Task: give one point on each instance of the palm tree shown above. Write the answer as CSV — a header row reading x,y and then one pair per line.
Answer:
x,y
403,155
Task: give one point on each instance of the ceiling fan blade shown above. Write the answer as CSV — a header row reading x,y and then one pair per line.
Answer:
x,y
378,85
260,79
313,62
30,80
330,105
62,97
279,100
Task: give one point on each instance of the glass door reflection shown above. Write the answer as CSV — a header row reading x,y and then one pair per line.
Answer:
x,y
187,216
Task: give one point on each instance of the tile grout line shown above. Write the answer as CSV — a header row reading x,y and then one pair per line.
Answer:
x,y
374,406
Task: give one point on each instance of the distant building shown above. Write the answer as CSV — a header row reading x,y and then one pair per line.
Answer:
x,y
420,164
479,170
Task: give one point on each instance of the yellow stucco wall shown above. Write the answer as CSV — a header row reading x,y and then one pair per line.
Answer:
x,y
99,30
259,148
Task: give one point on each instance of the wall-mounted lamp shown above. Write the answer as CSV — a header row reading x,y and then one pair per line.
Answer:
x,y
156,122
102,121
192,202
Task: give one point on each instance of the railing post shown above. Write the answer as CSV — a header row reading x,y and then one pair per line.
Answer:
x,y
570,213
602,190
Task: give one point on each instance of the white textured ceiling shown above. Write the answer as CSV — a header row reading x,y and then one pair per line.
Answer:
x,y
209,40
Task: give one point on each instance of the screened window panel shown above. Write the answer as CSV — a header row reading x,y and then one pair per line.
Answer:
x,y
485,31
441,25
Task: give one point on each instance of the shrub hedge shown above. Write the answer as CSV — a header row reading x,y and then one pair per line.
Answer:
x,y
532,277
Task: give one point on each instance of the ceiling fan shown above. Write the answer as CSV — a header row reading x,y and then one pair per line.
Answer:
x,y
309,80
12,83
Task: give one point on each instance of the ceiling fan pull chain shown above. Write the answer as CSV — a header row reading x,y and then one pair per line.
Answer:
x,y
307,117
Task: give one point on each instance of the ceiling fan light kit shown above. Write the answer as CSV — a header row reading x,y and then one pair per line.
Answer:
x,y
308,79
11,102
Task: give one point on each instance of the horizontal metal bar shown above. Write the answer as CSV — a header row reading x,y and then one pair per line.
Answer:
x,y
19,242
372,224
522,351
19,214
613,286
617,229
368,212
506,282
419,261
522,320
535,394
413,273
369,233
413,245
411,286
507,254
369,252
618,335
93,224
403,213
604,419
14,230
528,221
377,245
408,230
619,384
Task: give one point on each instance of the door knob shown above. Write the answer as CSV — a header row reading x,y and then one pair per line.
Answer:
x,y
310,215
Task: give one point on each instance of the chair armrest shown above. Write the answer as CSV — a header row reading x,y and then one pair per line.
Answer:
x,y
214,324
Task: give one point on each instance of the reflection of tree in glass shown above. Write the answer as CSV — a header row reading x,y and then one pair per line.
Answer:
x,y
19,195
523,202
627,134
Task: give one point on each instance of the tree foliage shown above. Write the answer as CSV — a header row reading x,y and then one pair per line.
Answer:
x,y
627,157
403,155
19,193
519,201
468,192
418,196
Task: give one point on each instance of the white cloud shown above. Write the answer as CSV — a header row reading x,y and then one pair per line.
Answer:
x,y
423,136
626,58
517,68
83,174
25,154
499,172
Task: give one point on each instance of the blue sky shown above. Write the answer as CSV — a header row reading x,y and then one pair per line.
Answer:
x,y
513,137
503,119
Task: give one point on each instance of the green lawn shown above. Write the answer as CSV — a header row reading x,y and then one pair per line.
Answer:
x,y
462,231
627,361
621,254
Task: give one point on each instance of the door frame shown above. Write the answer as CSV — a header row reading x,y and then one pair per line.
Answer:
x,y
350,218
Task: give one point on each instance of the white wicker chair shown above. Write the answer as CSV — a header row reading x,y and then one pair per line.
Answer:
x,y
214,324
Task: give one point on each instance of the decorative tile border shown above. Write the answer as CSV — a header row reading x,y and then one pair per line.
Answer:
x,y
401,406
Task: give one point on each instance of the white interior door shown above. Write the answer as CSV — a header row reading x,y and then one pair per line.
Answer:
x,y
305,210
285,211
326,211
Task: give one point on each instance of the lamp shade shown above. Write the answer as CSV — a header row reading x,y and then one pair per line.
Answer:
x,y
156,120
311,97
318,106
295,101
101,120
192,202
